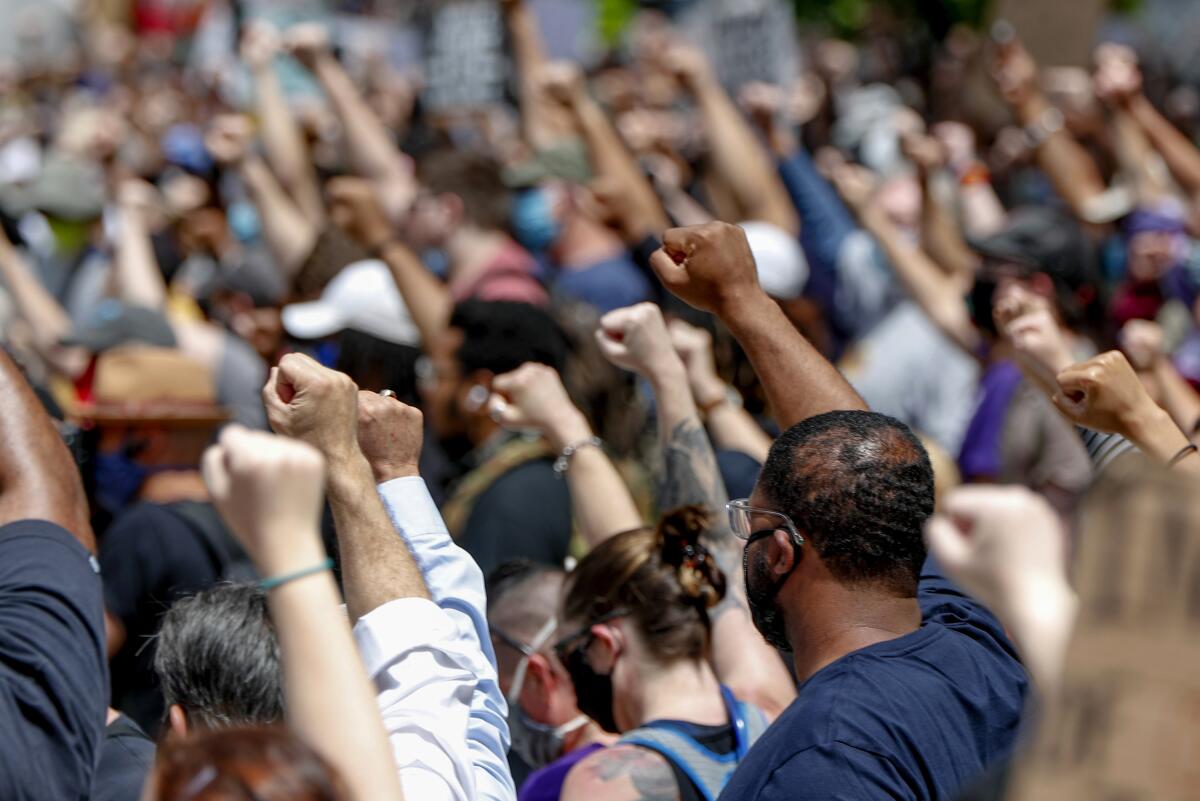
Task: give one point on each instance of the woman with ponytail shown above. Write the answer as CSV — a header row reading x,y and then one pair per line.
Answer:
x,y
635,638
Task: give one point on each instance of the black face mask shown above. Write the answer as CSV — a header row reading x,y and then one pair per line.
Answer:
x,y
593,691
762,592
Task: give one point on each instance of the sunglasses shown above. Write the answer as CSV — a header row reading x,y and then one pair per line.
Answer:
x,y
582,638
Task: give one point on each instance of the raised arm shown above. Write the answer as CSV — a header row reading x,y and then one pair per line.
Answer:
x,y
738,157
1142,342
542,120
356,207
391,436
729,424
38,477
711,268
939,295
1070,169
282,138
1005,546
136,273
613,165
979,208
268,490
372,152
289,235
47,319
636,339
320,406
533,397
940,232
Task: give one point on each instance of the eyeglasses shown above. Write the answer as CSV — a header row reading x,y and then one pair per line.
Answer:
x,y
746,521
583,636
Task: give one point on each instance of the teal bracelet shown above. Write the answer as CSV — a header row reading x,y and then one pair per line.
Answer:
x,y
279,581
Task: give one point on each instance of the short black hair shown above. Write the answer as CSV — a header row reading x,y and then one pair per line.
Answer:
x,y
218,658
500,336
859,486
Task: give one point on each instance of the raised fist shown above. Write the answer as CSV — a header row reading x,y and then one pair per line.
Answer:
x,y
260,43
1104,394
1117,79
307,42
269,491
391,435
636,339
533,396
312,403
228,138
707,266
355,207
563,82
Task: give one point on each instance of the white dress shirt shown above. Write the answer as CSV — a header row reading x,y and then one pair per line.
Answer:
x,y
434,666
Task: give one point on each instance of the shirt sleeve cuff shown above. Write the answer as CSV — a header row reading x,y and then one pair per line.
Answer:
x,y
388,632
410,504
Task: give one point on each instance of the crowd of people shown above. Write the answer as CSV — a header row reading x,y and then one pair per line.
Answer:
x,y
644,437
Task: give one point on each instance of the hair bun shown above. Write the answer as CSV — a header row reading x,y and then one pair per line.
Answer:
x,y
700,580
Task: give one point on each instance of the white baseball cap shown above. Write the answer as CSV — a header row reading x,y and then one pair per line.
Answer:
x,y
362,297
782,268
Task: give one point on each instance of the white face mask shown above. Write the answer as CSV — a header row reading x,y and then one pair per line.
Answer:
x,y
536,743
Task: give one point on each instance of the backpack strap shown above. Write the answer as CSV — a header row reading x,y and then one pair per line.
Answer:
x,y
708,771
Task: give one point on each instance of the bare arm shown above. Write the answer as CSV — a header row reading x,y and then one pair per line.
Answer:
x,y
373,153
738,157
282,138
38,477
533,397
138,278
711,267
1069,167
940,296
729,424
621,773
289,235
612,163
320,406
357,208
940,233
1182,157
47,319
268,489
542,121
636,338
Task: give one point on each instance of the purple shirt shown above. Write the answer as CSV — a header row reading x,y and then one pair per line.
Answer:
x,y
546,783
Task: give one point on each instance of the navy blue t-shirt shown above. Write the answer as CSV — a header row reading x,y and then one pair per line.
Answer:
x,y
53,672
917,717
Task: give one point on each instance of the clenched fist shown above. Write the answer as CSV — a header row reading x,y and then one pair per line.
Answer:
x,y
636,339
269,491
355,207
533,396
307,43
391,435
708,266
312,403
1104,394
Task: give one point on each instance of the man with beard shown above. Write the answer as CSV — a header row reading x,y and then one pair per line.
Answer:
x,y
909,689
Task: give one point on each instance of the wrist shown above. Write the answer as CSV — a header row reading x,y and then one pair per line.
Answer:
x,y
670,373
709,390
745,306
1030,110
569,429
1153,431
286,548
349,470
383,472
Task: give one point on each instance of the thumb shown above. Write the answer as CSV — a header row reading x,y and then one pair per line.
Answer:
x,y
613,349
668,270
216,476
504,413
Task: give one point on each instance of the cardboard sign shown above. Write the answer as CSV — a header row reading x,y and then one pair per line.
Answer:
x,y
1057,34
749,40
465,60
1128,723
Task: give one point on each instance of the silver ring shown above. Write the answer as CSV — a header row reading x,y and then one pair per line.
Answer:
x,y
387,393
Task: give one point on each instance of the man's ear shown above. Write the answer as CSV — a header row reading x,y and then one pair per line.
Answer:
x,y
540,683
177,721
782,552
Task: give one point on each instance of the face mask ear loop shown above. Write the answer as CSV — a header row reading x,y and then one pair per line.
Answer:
x,y
539,640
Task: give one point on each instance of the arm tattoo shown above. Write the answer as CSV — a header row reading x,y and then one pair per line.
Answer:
x,y
691,476
649,774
